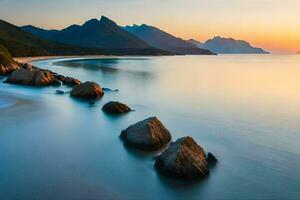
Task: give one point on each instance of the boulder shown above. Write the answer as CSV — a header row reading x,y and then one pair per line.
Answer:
x,y
149,134
69,81
211,159
35,77
184,159
87,90
115,107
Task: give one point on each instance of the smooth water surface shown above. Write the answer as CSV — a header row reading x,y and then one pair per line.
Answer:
x,y
245,109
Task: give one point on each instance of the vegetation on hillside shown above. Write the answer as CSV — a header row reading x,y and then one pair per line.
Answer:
x,y
5,57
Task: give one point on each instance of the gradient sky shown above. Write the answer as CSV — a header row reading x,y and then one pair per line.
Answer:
x,y
271,24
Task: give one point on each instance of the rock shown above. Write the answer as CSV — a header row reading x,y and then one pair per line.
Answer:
x,y
59,77
184,159
35,77
87,90
56,83
69,81
211,159
28,66
110,90
149,134
8,68
60,92
115,107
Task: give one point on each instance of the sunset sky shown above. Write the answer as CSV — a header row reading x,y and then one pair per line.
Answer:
x,y
271,24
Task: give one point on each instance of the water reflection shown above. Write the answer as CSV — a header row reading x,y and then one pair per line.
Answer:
x,y
109,66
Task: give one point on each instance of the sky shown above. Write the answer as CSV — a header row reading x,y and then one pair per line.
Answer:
x,y
271,24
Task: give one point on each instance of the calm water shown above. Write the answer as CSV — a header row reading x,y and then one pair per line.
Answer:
x,y
244,109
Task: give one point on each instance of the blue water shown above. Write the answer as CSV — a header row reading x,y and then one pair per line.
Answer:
x,y
245,109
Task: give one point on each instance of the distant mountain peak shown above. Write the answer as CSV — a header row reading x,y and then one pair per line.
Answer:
x,y
91,21
222,45
106,20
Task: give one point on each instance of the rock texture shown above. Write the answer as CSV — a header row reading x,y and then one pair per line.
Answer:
x,y
35,77
87,90
8,68
184,159
69,81
149,134
115,107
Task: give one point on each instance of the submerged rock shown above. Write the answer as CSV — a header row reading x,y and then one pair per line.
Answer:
x,y
35,77
110,90
60,92
149,134
87,90
115,107
184,159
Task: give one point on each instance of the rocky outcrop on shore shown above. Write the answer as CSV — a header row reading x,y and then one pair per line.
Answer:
x,y
87,90
35,77
115,107
7,69
149,134
27,74
184,159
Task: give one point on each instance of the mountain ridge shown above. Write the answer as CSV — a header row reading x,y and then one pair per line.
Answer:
x,y
94,33
163,40
223,45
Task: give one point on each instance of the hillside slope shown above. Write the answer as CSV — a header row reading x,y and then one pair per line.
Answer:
x,y
163,40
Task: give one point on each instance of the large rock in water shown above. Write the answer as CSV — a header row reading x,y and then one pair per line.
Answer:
x,y
115,107
184,159
35,77
149,134
87,90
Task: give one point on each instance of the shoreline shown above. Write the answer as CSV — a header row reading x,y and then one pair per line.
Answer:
x,y
39,58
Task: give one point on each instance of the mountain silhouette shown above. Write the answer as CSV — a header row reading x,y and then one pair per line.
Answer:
x,y
222,45
163,40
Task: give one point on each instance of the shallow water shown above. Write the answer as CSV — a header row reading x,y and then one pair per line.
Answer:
x,y
245,109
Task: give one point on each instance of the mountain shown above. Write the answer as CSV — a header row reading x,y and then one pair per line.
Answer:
x,y
162,40
98,34
197,43
20,43
39,32
221,45
298,52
